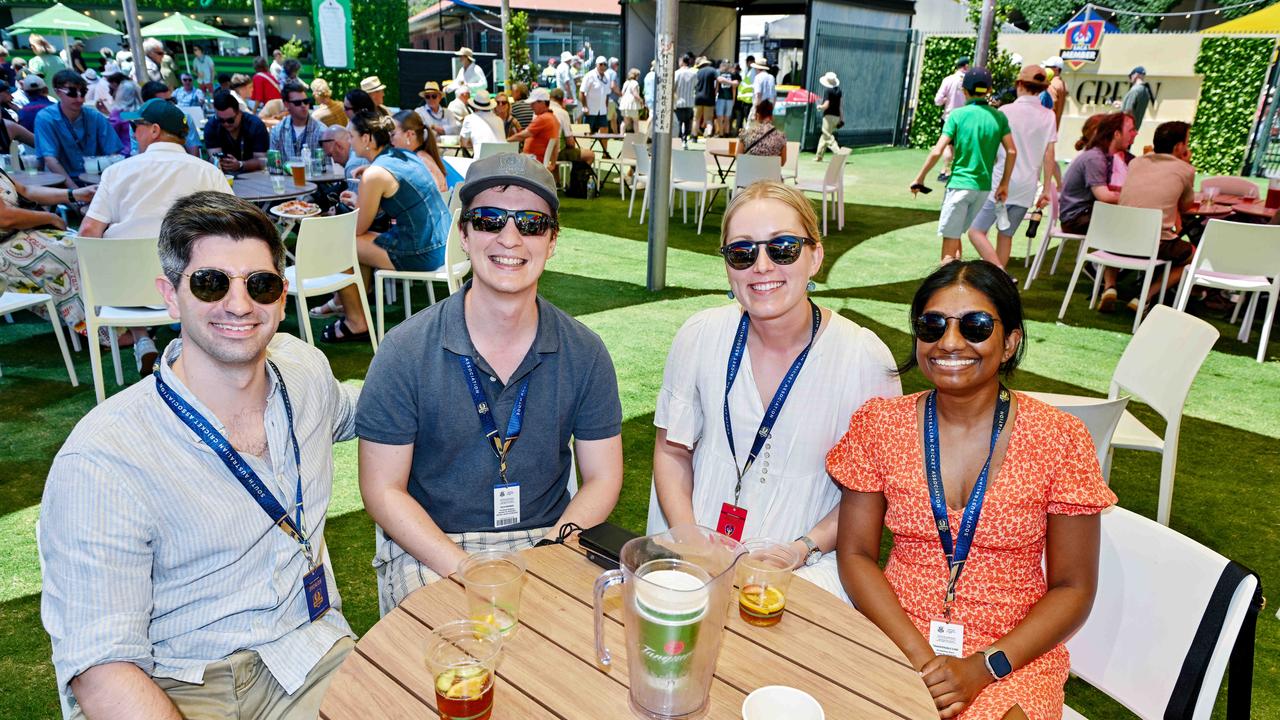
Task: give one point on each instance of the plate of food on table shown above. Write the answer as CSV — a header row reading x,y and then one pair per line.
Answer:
x,y
296,209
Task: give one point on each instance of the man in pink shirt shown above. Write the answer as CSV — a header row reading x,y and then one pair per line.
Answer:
x,y
1035,130
950,96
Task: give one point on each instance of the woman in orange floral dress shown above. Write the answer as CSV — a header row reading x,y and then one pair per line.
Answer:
x,y
995,649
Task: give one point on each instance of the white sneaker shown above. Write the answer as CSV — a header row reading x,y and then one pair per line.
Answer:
x,y
144,351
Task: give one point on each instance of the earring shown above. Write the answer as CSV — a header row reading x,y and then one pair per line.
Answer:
x,y
811,286
730,294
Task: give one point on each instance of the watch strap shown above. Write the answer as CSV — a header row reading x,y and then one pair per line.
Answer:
x,y
814,552
1003,659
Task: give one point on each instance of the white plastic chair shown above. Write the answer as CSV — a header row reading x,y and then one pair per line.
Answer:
x,y
1154,587
1157,367
327,262
626,158
1121,237
752,168
1099,415
1242,258
1052,229
640,180
689,174
15,301
791,168
496,148
831,185
561,165
118,287
1231,185
451,273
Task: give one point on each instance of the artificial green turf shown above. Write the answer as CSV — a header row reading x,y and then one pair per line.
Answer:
x,y
1225,495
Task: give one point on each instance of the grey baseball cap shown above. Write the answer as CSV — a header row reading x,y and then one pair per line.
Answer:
x,y
510,169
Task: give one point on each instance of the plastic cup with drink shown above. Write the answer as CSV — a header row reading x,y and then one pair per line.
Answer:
x,y
493,580
780,701
299,170
764,575
463,657
1210,194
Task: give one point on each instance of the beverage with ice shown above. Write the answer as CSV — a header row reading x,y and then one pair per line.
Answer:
x,y
462,656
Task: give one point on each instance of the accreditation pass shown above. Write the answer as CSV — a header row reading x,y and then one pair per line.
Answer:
x,y
506,505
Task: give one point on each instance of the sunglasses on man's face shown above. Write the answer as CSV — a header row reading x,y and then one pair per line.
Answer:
x,y
211,285
975,326
300,103
782,250
227,120
492,220
71,92
431,96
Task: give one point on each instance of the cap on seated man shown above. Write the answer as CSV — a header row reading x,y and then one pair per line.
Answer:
x,y
494,355
172,587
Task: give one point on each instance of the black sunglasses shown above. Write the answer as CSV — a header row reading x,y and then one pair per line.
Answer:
x,y
975,326
229,121
782,250
299,103
492,220
212,284
71,92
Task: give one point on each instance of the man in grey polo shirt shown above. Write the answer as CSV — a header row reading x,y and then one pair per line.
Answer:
x,y
492,377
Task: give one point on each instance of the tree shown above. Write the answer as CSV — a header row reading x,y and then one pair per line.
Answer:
x,y
522,69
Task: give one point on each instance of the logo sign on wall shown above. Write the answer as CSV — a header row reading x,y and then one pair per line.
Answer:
x,y
1082,40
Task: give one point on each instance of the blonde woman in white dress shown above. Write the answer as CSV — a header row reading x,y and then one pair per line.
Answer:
x,y
772,249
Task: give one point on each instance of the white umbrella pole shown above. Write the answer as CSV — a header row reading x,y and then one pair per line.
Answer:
x,y
66,45
186,55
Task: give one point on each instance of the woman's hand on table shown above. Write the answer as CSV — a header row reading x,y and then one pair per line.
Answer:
x,y
954,682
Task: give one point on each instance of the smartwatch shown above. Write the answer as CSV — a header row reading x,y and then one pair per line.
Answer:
x,y
814,554
997,663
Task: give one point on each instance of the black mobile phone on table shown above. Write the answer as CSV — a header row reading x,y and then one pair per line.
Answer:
x,y
604,542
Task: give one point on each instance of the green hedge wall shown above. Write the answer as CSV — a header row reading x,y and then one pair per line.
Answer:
x,y
381,27
940,53
1234,70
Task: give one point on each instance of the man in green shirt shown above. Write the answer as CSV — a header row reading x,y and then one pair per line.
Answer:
x,y
975,132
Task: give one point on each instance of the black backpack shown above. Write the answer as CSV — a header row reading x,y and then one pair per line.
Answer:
x,y
582,181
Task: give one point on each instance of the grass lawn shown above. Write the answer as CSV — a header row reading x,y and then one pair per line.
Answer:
x,y
1226,493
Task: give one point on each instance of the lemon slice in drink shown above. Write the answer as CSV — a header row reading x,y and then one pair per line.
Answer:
x,y
762,600
469,688
444,681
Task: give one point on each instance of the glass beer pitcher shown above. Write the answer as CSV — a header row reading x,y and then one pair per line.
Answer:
x,y
676,588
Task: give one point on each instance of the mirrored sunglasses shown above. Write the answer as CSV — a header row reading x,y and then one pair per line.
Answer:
x,y
975,326
492,220
211,285
782,250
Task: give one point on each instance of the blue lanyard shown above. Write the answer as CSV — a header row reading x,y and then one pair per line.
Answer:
x,y
293,137
293,527
779,396
501,446
959,552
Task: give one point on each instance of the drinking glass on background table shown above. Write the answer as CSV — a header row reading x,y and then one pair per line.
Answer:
x,y
299,170
493,579
764,574
1210,194
463,656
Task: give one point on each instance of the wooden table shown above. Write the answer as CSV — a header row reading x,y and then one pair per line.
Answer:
x,y
257,187
39,179
1254,211
548,669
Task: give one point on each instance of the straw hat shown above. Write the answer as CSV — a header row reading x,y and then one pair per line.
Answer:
x,y
464,52
702,61
481,101
829,80
760,65
431,86
372,84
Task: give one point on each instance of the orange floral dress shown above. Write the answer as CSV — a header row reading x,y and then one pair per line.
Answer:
x,y
1050,468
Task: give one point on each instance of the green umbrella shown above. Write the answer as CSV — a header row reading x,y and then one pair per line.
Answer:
x,y
62,19
181,26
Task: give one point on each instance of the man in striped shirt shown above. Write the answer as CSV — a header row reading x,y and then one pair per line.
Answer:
x,y
168,592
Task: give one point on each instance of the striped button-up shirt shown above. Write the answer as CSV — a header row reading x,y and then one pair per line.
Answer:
x,y
154,554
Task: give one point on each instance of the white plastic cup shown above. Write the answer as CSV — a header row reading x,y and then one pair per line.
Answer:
x,y
779,702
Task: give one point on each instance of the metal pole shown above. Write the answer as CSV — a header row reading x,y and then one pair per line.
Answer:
x,y
260,23
132,29
983,54
660,166
506,46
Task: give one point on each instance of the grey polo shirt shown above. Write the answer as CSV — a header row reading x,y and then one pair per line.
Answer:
x,y
416,393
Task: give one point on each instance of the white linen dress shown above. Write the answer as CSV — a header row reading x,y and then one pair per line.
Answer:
x,y
787,490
